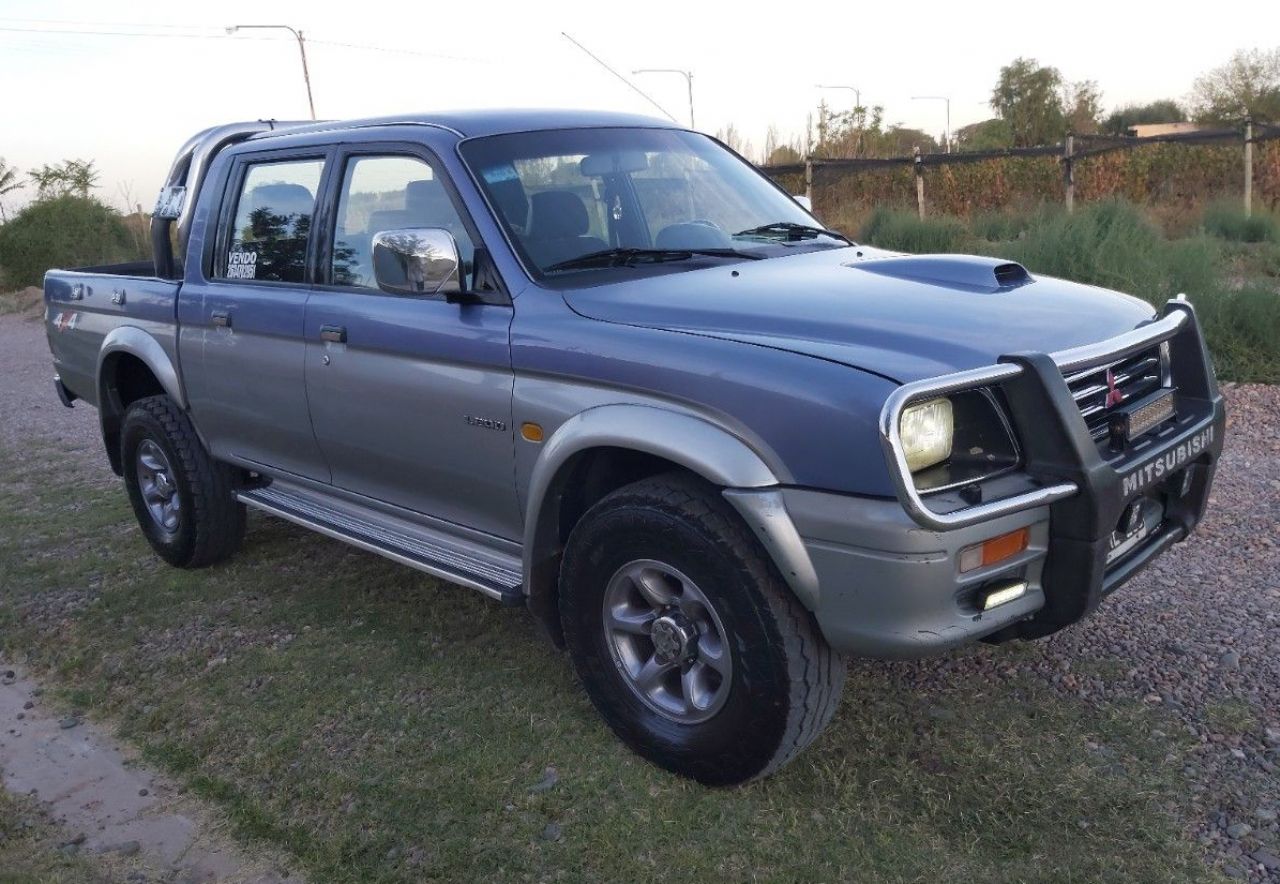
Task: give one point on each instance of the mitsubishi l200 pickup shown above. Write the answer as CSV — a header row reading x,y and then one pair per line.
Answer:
x,y
599,366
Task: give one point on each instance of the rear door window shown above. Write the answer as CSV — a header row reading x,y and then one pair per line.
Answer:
x,y
271,225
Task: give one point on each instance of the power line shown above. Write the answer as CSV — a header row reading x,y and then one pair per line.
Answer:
x,y
633,86
221,35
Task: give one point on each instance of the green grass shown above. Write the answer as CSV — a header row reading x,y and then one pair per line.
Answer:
x,y
380,726
1233,717
1234,282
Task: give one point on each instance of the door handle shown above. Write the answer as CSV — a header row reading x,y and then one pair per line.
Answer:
x,y
222,318
335,333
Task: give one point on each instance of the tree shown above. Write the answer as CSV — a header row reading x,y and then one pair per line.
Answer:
x,y
8,182
1121,120
1082,105
68,178
1028,97
783,155
1246,86
993,134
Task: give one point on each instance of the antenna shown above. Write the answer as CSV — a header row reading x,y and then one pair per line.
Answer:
x,y
633,86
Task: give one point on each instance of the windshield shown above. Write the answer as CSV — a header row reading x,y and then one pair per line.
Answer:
x,y
592,201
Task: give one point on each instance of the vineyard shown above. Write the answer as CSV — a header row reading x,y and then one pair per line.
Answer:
x,y
1169,174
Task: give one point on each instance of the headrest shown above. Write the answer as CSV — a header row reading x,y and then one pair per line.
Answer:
x,y
426,197
390,219
557,214
282,199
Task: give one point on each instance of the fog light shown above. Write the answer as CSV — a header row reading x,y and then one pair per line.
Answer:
x,y
1003,593
993,551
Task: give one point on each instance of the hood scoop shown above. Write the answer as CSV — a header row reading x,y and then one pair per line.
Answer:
x,y
964,272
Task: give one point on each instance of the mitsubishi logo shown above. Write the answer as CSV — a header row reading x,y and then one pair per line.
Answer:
x,y
1114,394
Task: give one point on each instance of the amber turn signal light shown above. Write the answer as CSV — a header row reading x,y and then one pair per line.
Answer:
x,y
993,551
531,432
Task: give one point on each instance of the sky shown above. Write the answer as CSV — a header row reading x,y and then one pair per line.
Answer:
x,y
168,69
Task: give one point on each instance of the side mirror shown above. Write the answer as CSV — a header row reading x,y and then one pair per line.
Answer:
x,y
804,201
417,261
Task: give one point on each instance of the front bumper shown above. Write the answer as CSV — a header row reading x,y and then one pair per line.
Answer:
x,y
887,572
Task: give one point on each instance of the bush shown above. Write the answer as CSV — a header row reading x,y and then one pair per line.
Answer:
x,y
903,231
1009,224
1242,328
1226,220
68,231
1111,244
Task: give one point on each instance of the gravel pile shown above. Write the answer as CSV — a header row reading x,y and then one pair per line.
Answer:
x,y
1197,633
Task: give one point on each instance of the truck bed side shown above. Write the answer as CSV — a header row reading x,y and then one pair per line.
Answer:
x,y
89,312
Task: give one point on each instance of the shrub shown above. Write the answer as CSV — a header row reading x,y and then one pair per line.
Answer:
x,y
1242,328
1111,244
1226,220
903,231
68,231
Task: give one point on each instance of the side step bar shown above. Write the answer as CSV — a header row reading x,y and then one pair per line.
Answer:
x,y
495,574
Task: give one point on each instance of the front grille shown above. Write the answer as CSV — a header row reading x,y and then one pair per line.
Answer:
x,y
1131,378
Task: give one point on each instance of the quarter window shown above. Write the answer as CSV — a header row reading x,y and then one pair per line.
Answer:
x,y
268,237
381,193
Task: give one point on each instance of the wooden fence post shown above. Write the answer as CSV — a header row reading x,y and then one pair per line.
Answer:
x,y
1248,167
919,167
1068,171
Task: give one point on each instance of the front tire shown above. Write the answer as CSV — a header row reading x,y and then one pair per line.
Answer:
x,y
184,500
685,637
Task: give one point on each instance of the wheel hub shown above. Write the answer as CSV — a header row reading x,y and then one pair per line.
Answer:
x,y
157,487
674,638
667,641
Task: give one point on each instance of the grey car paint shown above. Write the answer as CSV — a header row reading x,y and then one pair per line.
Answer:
x,y
245,380
766,378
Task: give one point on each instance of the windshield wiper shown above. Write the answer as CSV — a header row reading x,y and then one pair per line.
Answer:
x,y
629,257
792,231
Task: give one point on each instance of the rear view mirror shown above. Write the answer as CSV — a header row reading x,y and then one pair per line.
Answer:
x,y
417,261
804,201
597,165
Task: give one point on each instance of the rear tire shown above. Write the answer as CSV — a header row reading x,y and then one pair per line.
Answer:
x,y
663,574
184,500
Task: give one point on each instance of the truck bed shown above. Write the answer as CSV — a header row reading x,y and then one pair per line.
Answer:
x,y
84,307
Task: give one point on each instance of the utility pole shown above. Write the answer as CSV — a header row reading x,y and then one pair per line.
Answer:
x,y
946,135
688,81
302,49
1069,172
1248,167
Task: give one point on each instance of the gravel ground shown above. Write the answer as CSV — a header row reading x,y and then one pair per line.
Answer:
x,y
1197,633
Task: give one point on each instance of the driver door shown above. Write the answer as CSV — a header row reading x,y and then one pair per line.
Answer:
x,y
410,395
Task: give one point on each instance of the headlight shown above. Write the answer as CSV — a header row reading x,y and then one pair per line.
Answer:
x,y
926,430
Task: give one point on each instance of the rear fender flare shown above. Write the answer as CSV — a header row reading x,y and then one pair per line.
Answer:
x,y
137,343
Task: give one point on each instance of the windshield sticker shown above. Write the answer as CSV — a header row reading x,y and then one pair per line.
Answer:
x,y
498,174
242,265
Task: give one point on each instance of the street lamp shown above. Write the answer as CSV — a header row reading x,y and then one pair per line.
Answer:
x,y
302,48
688,81
857,93
947,99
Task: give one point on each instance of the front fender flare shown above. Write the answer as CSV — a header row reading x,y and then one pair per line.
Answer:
x,y
700,446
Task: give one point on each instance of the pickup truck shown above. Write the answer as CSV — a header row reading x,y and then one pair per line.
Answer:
x,y
600,366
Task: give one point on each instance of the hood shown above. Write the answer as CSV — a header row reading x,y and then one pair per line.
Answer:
x,y
905,317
